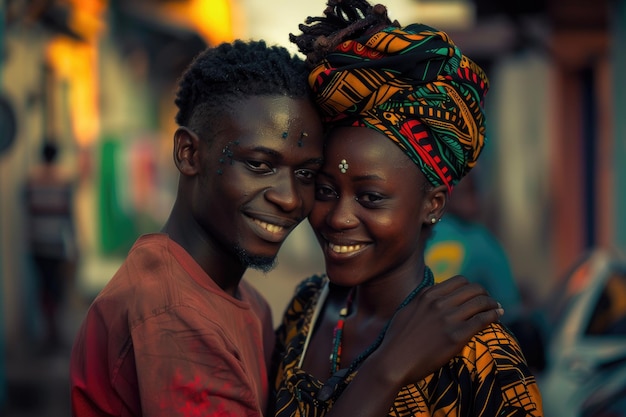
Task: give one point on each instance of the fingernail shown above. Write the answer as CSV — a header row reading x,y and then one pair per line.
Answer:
x,y
500,311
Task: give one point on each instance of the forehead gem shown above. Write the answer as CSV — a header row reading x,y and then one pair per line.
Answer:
x,y
343,166
284,135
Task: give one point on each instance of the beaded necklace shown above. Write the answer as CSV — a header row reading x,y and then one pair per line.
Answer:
x,y
335,355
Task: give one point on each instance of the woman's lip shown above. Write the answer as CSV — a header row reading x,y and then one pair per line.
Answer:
x,y
337,248
337,252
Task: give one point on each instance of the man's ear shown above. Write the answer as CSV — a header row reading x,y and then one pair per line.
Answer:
x,y
436,200
187,151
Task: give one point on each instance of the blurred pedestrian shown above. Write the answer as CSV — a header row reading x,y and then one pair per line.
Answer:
x,y
48,194
462,245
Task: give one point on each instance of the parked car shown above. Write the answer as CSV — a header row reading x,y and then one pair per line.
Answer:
x,y
584,328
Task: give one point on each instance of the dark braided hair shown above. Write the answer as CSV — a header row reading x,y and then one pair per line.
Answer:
x,y
343,20
221,75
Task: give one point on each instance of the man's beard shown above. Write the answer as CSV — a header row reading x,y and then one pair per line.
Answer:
x,y
261,263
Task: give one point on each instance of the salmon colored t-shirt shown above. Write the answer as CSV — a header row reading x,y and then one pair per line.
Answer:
x,y
162,339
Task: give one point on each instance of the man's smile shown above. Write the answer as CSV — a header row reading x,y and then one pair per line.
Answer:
x,y
272,228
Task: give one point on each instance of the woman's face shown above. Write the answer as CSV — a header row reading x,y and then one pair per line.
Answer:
x,y
368,219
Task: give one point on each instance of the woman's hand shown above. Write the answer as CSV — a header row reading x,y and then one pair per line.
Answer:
x,y
432,328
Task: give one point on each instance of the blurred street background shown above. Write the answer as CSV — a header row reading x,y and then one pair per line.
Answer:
x,y
97,79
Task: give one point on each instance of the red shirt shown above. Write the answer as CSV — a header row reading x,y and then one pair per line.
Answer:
x,y
162,339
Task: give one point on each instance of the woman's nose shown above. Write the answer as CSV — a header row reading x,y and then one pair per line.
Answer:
x,y
342,215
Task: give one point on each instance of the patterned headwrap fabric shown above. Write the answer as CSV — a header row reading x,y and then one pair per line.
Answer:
x,y
413,85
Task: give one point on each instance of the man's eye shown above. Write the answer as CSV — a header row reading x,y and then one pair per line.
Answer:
x,y
259,166
306,174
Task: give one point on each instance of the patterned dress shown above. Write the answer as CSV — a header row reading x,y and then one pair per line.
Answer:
x,y
489,377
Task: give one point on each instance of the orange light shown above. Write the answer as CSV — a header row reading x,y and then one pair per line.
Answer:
x,y
212,19
75,64
86,17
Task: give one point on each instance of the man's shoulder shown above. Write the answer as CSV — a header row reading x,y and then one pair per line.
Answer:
x,y
151,256
142,275
254,296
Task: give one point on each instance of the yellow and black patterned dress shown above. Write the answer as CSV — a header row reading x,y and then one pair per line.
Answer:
x,y
488,378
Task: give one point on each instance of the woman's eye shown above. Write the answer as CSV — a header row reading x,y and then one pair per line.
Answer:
x,y
370,198
324,192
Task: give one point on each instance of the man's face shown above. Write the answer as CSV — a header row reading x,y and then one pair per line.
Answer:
x,y
258,175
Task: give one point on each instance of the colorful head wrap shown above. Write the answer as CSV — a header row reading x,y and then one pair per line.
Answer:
x,y
413,85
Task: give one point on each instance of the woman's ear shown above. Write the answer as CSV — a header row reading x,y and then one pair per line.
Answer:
x,y
436,200
187,151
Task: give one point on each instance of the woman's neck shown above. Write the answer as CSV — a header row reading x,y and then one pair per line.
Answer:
x,y
381,297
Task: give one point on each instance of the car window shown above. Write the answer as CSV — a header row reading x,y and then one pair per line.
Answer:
x,y
609,316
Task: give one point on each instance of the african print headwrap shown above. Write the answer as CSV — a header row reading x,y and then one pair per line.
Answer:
x,y
416,87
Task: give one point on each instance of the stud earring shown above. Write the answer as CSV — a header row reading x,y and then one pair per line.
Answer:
x,y
433,220
343,166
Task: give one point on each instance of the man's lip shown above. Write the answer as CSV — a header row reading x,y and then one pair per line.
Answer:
x,y
271,229
285,223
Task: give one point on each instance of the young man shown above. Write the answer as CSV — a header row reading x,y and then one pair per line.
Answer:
x,y
176,332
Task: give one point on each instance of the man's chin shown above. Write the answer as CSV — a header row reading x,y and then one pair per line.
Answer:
x,y
261,263
263,266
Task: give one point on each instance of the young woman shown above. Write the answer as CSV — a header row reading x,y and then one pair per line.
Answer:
x,y
404,112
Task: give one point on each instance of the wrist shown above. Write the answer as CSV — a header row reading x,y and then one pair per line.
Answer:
x,y
381,367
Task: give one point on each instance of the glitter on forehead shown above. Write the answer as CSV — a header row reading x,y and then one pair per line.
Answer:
x,y
228,154
301,140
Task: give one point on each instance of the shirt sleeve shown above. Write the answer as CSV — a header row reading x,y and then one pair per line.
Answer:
x,y
187,366
504,383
